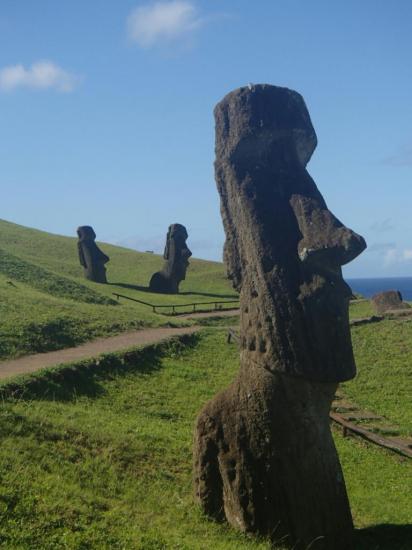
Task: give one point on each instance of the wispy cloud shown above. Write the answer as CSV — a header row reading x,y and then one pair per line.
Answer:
x,y
41,75
382,226
381,247
163,22
402,158
396,255
391,257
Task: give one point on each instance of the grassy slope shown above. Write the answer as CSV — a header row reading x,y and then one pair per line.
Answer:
x,y
107,464
50,296
359,310
52,306
383,384
33,321
126,267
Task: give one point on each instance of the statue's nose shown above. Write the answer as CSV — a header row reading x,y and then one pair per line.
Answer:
x,y
339,246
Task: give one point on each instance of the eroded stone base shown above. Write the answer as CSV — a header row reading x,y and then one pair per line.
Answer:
x,y
265,460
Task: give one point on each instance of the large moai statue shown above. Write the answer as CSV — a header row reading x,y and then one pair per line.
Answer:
x,y
91,257
177,256
264,457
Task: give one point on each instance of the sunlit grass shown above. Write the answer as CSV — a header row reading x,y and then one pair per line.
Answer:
x,y
46,303
383,384
109,463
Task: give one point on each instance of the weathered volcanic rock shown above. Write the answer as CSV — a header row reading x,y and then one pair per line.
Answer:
x,y
388,300
177,256
264,457
91,257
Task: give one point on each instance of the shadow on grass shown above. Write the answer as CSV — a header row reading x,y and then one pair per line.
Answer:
x,y
67,382
384,537
188,293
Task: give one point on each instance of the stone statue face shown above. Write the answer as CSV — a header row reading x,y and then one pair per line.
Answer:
x,y
177,256
177,252
277,221
86,233
90,256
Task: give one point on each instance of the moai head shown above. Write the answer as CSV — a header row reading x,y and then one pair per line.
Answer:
x,y
176,252
91,257
177,256
284,249
389,300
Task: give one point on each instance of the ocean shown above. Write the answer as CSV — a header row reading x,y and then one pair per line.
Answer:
x,y
369,287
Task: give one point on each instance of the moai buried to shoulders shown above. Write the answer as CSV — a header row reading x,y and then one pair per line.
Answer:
x,y
264,457
388,300
177,256
91,257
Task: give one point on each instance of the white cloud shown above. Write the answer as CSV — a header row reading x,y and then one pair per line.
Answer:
x,y
382,225
380,247
41,75
391,257
395,255
161,22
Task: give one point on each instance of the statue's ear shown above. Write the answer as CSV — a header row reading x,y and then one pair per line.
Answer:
x,y
167,247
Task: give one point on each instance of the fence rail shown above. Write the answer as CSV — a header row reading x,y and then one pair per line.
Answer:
x,y
194,305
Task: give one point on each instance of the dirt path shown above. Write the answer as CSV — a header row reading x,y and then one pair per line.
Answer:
x,y
30,363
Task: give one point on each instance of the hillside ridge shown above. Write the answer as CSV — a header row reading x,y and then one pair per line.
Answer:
x,y
47,304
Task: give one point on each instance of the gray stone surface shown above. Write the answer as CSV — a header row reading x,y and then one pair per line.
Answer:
x,y
389,300
91,258
177,256
264,457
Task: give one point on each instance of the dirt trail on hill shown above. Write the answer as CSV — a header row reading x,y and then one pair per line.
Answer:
x,y
31,363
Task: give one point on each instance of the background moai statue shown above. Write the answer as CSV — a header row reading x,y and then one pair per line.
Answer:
x,y
177,256
264,456
389,300
91,257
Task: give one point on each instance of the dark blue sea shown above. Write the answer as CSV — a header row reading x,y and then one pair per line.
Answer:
x,y
369,287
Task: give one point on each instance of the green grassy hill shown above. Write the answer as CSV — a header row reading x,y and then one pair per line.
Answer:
x,y
46,303
96,457
101,457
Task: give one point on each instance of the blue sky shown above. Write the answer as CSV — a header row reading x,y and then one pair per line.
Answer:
x,y
107,113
